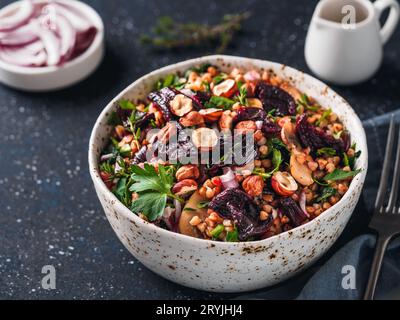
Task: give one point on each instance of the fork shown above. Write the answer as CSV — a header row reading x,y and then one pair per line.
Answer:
x,y
386,218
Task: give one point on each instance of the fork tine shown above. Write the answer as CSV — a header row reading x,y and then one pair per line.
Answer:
x,y
386,167
395,184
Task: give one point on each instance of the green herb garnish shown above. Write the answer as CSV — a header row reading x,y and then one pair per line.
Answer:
x,y
126,105
276,161
326,193
232,236
305,102
169,34
153,188
330,152
219,78
107,168
189,209
219,102
338,174
217,230
242,96
324,116
203,204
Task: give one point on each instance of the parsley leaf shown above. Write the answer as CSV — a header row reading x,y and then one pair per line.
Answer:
x,y
126,105
219,78
305,102
276,161
151,204
326,193
338,174
219,102
154,188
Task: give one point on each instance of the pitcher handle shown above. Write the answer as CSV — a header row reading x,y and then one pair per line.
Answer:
x,y
391,21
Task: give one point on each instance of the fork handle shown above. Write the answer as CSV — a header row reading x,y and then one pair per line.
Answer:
x,y
380,248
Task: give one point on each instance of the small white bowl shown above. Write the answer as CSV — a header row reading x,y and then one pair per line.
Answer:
x,y
229,266
57,77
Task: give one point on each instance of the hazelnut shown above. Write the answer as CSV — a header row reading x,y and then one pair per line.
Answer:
x,y
244,127
189,171
204,138
225,122
193,118
166,132
283,184
181,105
211,114
184,187
253,185
225,89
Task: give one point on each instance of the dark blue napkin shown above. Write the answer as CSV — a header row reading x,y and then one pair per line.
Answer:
x,y
343,272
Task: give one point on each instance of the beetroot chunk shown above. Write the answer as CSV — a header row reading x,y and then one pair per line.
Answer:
x,y
293,211
239,206
315,138
273,97
162,99
256,114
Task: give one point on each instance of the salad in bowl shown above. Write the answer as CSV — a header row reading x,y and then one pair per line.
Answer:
x,y
227,155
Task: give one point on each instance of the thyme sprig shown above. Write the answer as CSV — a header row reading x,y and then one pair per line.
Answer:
x,y
169,34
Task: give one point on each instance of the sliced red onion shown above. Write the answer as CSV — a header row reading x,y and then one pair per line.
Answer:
x,y
229,179
106,157
31,55
17,17
67,35
78,21
167,217
19,37
302,203
178,209
259,124
64,31
51,44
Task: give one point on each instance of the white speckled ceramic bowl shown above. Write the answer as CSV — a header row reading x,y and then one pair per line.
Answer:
x,y
220,266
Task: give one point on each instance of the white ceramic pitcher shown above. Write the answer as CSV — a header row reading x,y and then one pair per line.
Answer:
x,y
345,51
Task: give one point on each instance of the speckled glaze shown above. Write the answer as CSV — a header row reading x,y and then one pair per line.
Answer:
x,y
230,267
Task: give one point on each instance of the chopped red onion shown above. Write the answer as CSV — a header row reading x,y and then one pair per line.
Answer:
x,y
302,203
178,209
229,179
259,124
106,157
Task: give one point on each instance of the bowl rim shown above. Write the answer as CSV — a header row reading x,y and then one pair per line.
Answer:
x,y
358,181
95,18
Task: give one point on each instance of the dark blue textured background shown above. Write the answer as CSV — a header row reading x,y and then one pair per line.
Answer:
x,y
49,213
